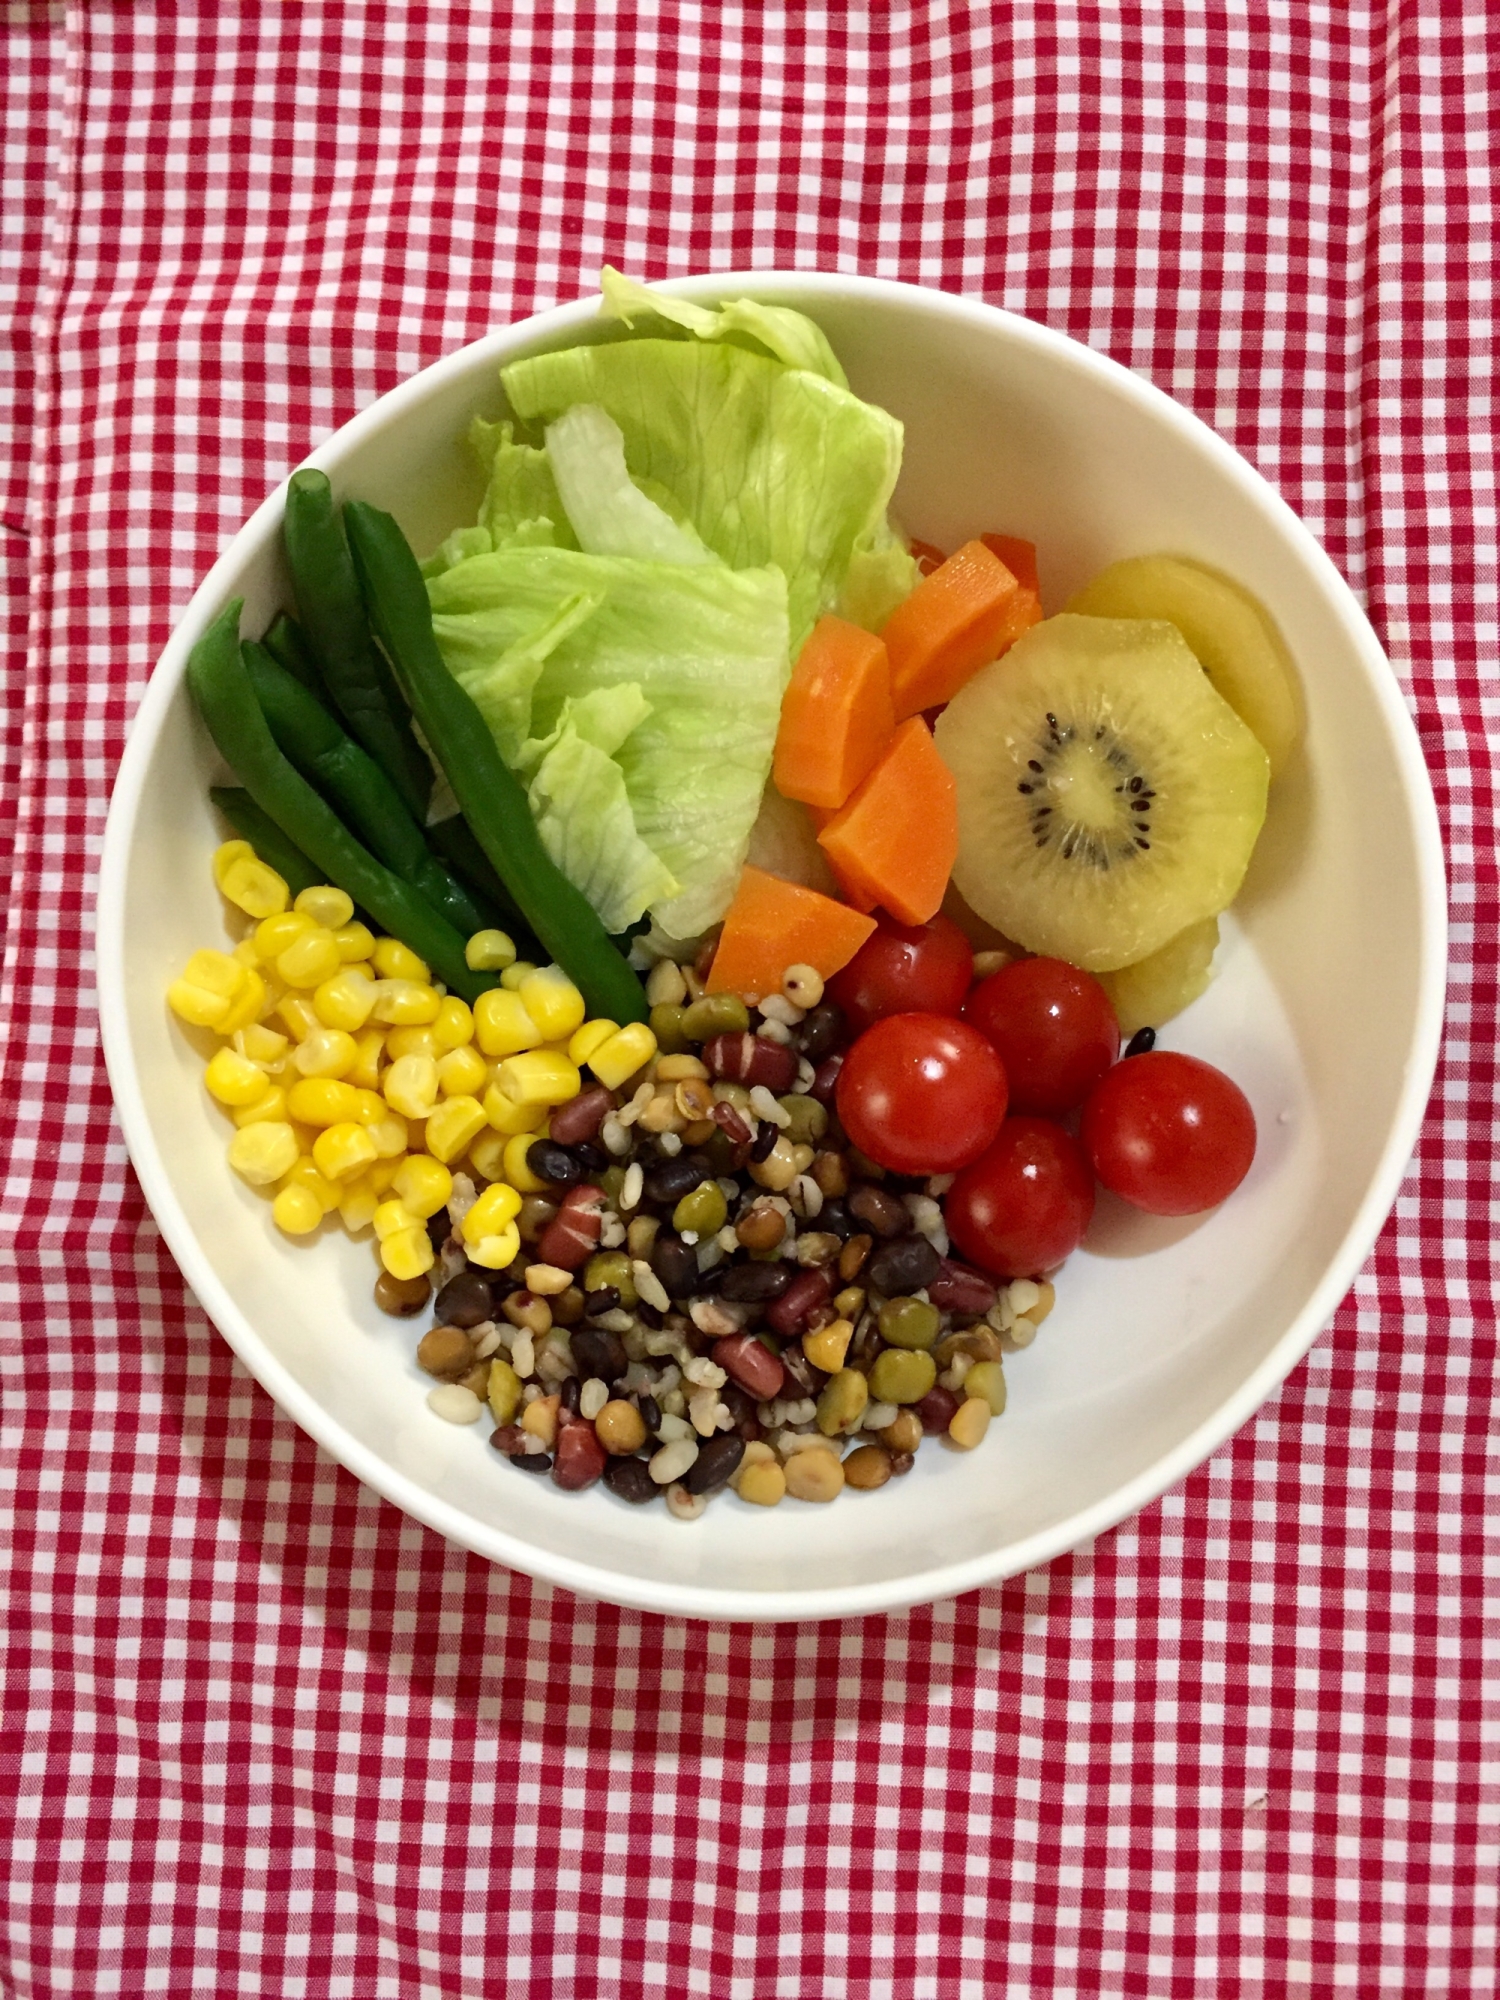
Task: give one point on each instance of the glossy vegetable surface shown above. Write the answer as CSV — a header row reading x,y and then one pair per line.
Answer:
x,y
1024,1206
905,969
1170,1134
921,1094
894,844
1054,1028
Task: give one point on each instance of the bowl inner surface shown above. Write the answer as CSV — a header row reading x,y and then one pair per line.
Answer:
x,y
1166,1336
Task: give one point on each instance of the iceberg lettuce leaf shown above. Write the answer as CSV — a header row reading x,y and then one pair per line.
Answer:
x,y
609,514
788,336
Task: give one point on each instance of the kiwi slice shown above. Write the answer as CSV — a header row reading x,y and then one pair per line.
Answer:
x,y
1157,988
1228,631
1107,796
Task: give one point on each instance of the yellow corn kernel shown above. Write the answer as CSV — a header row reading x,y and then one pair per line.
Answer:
x,y
310,959
254,888
487,1155
234,1080
489,1228
261,1045
370,1107
322,1101
404,1003
358,1201
275,993
502,1025
511,977
410,1085
454,1026
381,1175
245,953
305,1173
462,1073
368,1050
297,1210
344,1001
506,1116
592,1035
455,1123
274,934
553,1002
395,960
623,1054
424,1185
326,1052
517,1172
392,1217
247,1008
497,1251
489,951
297,1015
540,1076
355,942
263,1152
226,855
409,1254
390,1136
326,905
269,1109
411,1042
342,1151
211,982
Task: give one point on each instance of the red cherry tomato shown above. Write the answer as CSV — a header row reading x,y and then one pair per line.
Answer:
x,y
1023,1207
905,969
921,1094
1169,1134
1054,1028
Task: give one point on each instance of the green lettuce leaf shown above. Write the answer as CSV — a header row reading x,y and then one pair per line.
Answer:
x,y
521,503
788,336
609,513
770,464
703,645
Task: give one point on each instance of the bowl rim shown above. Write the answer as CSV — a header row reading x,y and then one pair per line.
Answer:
x,y
1009,1559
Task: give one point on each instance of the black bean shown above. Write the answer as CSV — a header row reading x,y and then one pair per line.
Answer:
x,y
883,1213
648,1316
605,1300
466,1300
676,1264
630,1479
821,1032
598,1353
834,1216
593,1159
716,1464
551,1162
569,1393
533,1461
1141,1042
907,1265
669,1180
765,1141
650,1411
756,1284
439,1229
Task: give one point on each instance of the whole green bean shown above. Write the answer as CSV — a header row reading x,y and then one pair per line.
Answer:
x,y
453,840
357,789
220,683
338,631
286,643
487,790
266,837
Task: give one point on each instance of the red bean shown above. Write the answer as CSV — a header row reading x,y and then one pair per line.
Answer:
x,y
789,1314
751,1059
957,1289
732,1125
572,1236
937,1410
825,1079
580,1457
751,1363
581,1117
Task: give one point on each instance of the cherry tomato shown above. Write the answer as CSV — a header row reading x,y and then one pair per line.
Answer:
x,y
1023,1207
1169,1134
905,969
921,1094
1054,1028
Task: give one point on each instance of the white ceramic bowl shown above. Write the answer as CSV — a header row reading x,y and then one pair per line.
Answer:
x,y
1166,1337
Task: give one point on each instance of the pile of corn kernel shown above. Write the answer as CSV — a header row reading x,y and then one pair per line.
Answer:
x,y
357,1084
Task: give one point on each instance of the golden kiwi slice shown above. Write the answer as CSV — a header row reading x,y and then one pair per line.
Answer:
x,y
1156,988
1107,796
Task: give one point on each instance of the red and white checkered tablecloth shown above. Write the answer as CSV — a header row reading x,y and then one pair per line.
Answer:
x,y
265,1736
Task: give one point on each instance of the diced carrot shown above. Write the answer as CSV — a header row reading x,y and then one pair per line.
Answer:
x,y
773,924
895,842
1026,607
951,625
836,716
929,558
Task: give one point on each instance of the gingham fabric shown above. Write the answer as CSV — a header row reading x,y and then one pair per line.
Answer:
x,y
265,1736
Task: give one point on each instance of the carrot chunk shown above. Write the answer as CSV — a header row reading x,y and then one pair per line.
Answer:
x,y
773,924
952,624
1026,606
895,842
836,716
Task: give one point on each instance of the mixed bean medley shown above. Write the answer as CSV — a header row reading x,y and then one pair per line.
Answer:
x,y
653,1255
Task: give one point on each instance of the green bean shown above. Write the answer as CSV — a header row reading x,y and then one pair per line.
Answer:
x,y
357,789
266,837
488,791
454,841
287,644
220,684
338,631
